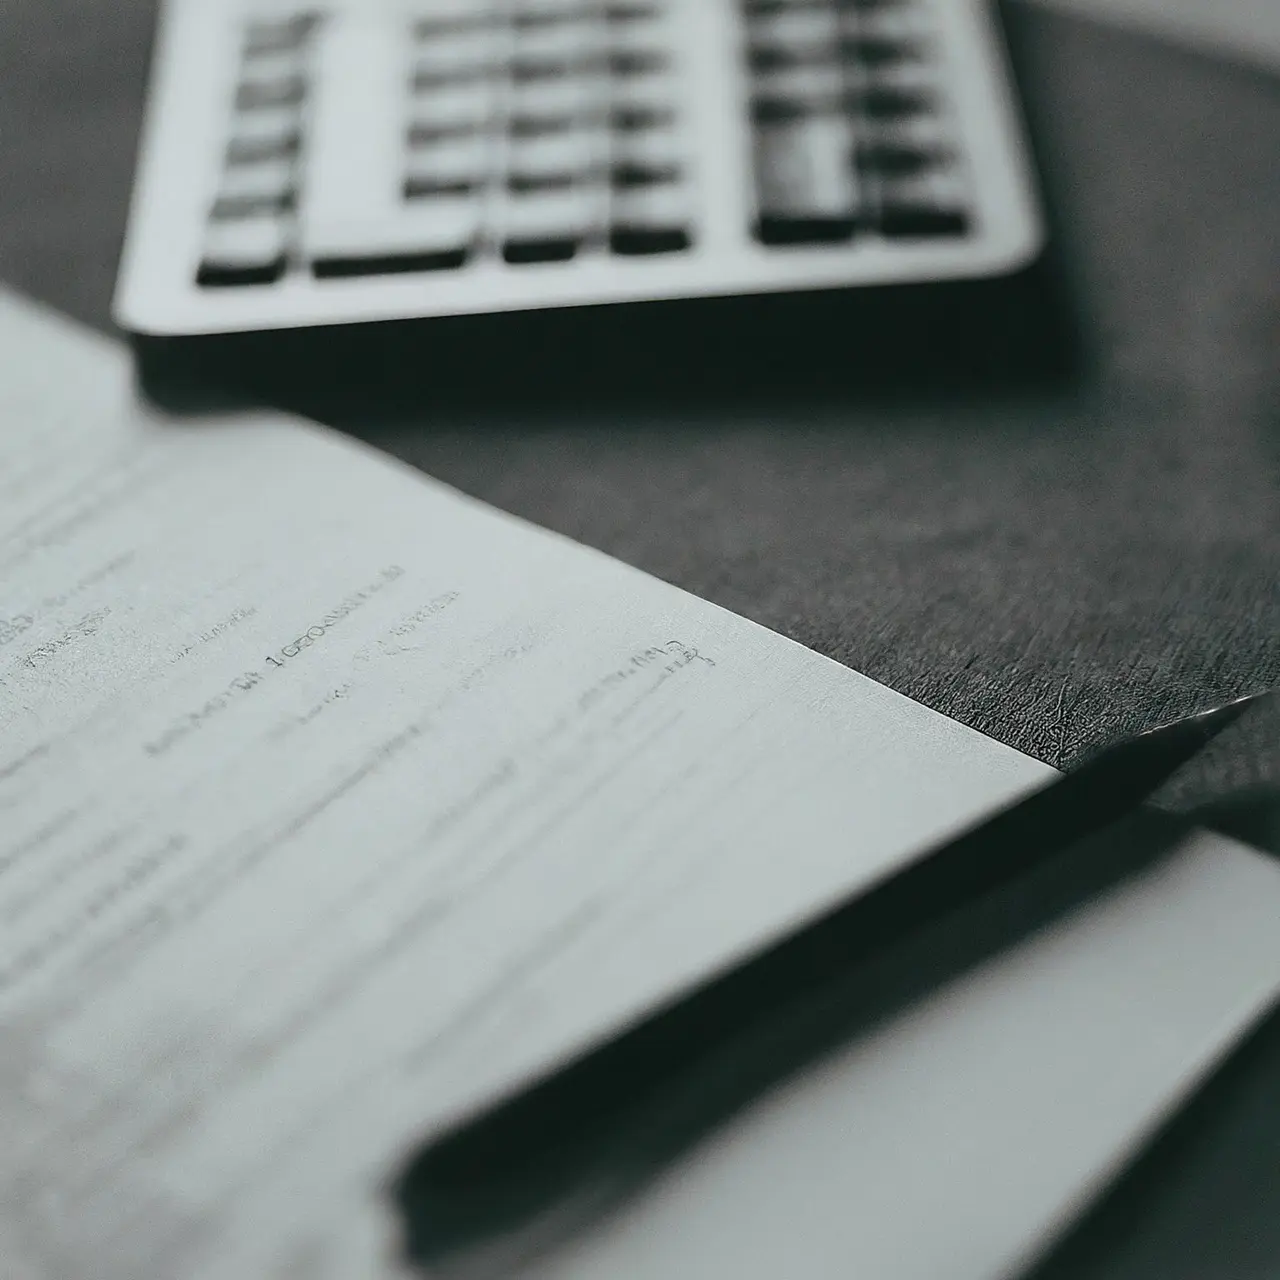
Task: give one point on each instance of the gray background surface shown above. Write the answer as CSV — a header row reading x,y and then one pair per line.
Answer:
x,y
1050,565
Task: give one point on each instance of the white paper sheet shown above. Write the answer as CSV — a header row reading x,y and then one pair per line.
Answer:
x,y
332,802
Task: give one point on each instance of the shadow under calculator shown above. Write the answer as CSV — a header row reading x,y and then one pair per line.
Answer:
x,y
1012,333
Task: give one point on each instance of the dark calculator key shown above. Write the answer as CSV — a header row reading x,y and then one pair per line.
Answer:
x,y
386,264
633,173
270,68
234,208
894,102
930,204
427,79
539,70
882,51
806,186
638,62
635,117
772,109
549,223
806,29
215,275
566,96
541,126
247,149
266,186
446,167
780,57
650,220
542,249
527,183
898,159
639,12
772,8
904,221
639,241
246,252
451,112
422,133
264,39
287,91
452,24
780,230
424,188
549,19
821,84
552,161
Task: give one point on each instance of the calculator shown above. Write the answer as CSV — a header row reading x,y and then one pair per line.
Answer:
x,y
322,162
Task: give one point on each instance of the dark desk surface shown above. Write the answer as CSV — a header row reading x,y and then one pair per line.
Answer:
x,y
1051,566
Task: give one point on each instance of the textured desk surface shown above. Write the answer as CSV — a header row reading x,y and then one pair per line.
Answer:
x,y
1051,566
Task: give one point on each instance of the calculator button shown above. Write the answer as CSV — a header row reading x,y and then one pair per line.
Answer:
x,y
885,100
636,12
448,167
648,150
873,8
264,135
242,252
572,96
273,67
549,226
255,94
529,15
431,19
469,104
756,9
906,146
264,187
523,127
650,219
642,98
632,173
428,76
569,154
522,251
426,133
932,203
568,40
638,61
265,37
790,27
635,117
430,235
806,185
764,58
527,19
817,87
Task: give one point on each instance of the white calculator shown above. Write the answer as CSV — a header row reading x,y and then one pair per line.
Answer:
x,y
319,162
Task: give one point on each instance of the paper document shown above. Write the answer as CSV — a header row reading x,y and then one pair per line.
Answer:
x,y
333,803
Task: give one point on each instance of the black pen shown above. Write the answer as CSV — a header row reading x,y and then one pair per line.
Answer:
x,y
499,1169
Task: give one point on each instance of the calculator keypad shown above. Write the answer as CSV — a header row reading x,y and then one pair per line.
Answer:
x,y
503,135
853,129
535,131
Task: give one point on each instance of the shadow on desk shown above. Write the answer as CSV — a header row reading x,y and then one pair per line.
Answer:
x,y
1013,332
